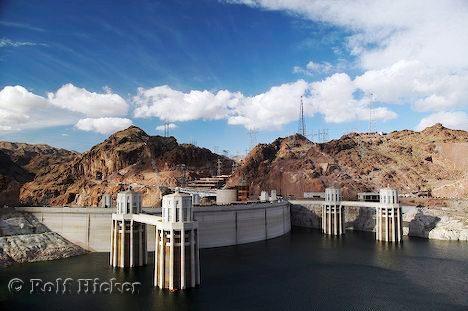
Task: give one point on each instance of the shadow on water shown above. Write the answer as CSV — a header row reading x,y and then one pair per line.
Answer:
x,y
303,270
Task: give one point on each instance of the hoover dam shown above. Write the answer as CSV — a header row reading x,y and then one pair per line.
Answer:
x,y
219,225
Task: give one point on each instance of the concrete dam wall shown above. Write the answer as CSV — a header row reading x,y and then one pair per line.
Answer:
x,y
419,222
224,225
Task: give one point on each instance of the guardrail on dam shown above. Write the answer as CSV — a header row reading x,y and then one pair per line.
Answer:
x,y
223,225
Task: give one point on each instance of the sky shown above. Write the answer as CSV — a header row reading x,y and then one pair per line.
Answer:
x,y
227,74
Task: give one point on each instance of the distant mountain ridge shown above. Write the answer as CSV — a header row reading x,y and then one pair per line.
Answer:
x,y
433,159
128,157
407,160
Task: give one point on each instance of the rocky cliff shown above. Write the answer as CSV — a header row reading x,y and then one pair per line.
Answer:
x,y
12,176
407,160
21,163
129,157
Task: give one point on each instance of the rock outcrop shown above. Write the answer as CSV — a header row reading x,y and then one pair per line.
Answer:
x,y
407,160
127,158
24,239
21,163
12,176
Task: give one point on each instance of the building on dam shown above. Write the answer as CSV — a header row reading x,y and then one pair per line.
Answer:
x,y
388,225
177,260
128,238
333,218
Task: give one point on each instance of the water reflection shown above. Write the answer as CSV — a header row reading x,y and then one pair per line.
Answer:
x,y
304,270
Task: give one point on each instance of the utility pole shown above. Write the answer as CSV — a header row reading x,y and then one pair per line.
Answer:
x,y
166,129
370,111
253,137
301,126
234,167
219,164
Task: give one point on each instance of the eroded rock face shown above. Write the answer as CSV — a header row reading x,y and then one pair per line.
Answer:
x,y
406,160
12,176
21,163
24,239
128,157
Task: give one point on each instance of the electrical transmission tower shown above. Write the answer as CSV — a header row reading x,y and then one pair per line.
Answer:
x,y
166,129
371,103
235,165
320,135
323,135
253,137
219,166
301,126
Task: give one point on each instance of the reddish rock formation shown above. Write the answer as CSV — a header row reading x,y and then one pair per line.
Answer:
x,y
433,159
407,160
129,157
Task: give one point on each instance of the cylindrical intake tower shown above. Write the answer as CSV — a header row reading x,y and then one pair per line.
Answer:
x,y
388,223
333,217
128,238
177,263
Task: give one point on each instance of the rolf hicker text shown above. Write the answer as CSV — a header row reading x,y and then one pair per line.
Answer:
x,y
62,286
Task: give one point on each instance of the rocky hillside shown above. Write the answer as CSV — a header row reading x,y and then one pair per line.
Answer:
x,y
36,159
433,159
12,176
20,163
24,239
129,157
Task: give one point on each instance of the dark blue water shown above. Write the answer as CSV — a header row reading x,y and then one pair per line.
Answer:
x,y
300,271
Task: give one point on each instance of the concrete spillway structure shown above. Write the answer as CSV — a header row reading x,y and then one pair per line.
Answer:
x,y
177,260
333,217
128,238
388,226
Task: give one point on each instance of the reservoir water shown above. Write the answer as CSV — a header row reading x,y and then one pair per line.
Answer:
x,y
300,271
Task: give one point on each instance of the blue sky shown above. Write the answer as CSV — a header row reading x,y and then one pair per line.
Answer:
x,y
117,47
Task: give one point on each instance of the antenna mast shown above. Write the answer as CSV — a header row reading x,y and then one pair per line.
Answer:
x,y
166,129
370,111
253,137
301,127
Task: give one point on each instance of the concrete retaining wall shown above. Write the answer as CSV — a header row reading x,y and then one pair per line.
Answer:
x,y
420,222
218,225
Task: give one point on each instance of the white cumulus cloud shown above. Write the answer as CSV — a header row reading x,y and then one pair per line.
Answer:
x,y
334,98
270,110
162,127
103,125
89,103
172,105
21,109
410,52
454,120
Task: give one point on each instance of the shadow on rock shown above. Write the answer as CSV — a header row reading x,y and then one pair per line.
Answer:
x,y
422,224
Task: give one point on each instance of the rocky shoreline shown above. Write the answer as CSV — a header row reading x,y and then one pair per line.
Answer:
x,y
439,223
24,239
